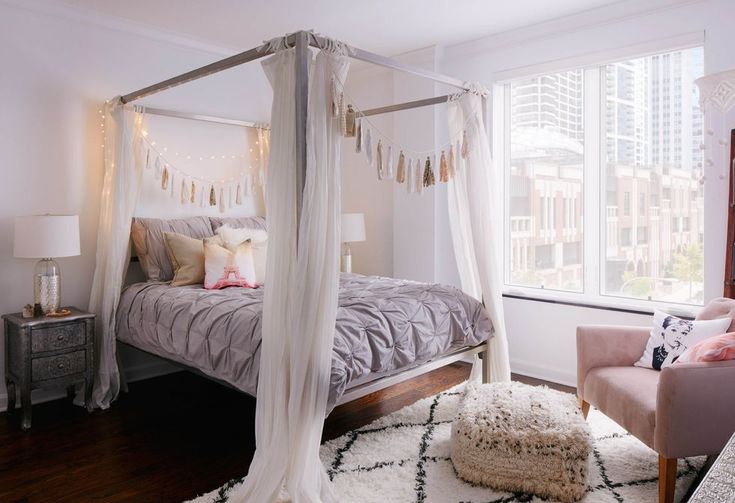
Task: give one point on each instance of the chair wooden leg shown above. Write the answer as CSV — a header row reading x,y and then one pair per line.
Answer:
x,y
666,479
585,406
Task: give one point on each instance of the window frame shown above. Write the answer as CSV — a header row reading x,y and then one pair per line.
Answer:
x,y
593,218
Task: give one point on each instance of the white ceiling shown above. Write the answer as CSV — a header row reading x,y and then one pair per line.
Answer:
x,y
384,26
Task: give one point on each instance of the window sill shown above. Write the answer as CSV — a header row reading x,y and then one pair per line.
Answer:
x,y
643,308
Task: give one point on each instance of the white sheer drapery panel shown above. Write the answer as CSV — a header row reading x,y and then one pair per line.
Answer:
x,y
124,162
267,473
316,286
474,216
300,300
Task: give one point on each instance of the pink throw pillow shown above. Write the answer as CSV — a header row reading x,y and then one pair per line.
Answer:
x,y
713,349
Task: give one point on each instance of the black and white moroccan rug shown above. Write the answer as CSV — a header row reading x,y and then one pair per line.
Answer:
x,y
404,458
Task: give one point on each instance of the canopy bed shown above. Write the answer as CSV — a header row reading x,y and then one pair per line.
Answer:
x,y
302,304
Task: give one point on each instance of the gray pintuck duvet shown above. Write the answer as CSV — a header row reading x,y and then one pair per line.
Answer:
x,y
384,326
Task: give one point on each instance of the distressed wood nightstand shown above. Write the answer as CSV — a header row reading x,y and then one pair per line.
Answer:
x,y
45,352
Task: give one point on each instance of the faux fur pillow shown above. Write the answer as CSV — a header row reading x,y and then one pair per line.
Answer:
x,y
225,267
259,240
714,349
671,336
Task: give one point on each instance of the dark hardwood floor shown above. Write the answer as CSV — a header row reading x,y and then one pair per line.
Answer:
x,y
167,440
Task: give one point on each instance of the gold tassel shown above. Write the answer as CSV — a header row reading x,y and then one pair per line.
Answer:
x,y
164,178
193,193
238,195
465,145
401,168
358,137
379,159
350,122
451,161
212,196
221,200
428,174
443,169
342,115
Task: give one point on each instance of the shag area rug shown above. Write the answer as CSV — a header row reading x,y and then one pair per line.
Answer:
x,y
404,458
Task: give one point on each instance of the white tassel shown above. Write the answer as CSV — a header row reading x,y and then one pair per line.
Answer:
x,y
173,183
238,195
147,159
229,197
409,176
202,191
248,184
158,173
368,147
379,160
389,172
184,192
221,200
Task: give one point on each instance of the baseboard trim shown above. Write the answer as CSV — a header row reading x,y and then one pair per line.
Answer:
x,y
545,372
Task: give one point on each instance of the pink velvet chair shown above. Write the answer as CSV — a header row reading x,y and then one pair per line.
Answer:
x,y
684,410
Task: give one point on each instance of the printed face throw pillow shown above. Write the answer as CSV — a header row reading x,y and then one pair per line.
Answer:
x,y
671,336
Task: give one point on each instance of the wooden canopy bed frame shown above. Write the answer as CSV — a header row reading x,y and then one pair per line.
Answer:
x,y
301,41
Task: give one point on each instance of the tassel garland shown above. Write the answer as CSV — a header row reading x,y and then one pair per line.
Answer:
x,y
212,196
401,168
443,169
350,122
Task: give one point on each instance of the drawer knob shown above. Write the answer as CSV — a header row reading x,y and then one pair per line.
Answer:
x,y
60,338
61,365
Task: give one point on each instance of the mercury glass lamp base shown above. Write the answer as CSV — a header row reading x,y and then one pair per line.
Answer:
x,y
47,285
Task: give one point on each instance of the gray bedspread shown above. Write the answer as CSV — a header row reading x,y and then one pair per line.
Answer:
x,y
384,326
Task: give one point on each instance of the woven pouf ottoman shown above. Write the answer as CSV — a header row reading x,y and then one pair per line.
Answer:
x,y
520,438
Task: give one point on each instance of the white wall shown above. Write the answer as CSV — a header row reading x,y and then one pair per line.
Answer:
x,y
58,67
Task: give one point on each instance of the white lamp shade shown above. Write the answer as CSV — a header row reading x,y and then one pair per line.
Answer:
x,y
353,227
46,236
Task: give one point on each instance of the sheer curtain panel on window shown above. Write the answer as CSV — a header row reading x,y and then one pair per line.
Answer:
x,y
300,302
474,215
124,160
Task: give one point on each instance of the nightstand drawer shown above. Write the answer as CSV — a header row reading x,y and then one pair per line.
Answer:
x,y
59,337
58,366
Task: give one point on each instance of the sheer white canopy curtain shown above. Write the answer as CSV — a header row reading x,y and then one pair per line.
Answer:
x,y
300,302
474,215
124,160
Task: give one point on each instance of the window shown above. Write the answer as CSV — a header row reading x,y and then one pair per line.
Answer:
x,y
615,150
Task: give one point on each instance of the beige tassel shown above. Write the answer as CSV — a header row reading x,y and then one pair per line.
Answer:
x,y
401,168
172,184
418,179
443,169
212,196
350,122
409,176
451,162
465,146
164,179
193,193
379,159
184,195
221,200
358,137
238,195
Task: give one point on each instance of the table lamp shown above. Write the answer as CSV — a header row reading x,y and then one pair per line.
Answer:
x,y
353,230
43,237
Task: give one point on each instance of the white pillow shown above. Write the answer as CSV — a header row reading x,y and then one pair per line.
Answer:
x,y
223,267
671,336
232,237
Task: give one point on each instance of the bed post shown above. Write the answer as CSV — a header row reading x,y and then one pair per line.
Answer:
x,y
302,102
485,355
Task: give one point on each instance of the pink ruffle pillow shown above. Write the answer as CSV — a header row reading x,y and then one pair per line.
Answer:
x,y
712,349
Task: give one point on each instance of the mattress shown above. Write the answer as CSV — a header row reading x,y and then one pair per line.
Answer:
x,y
384,326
